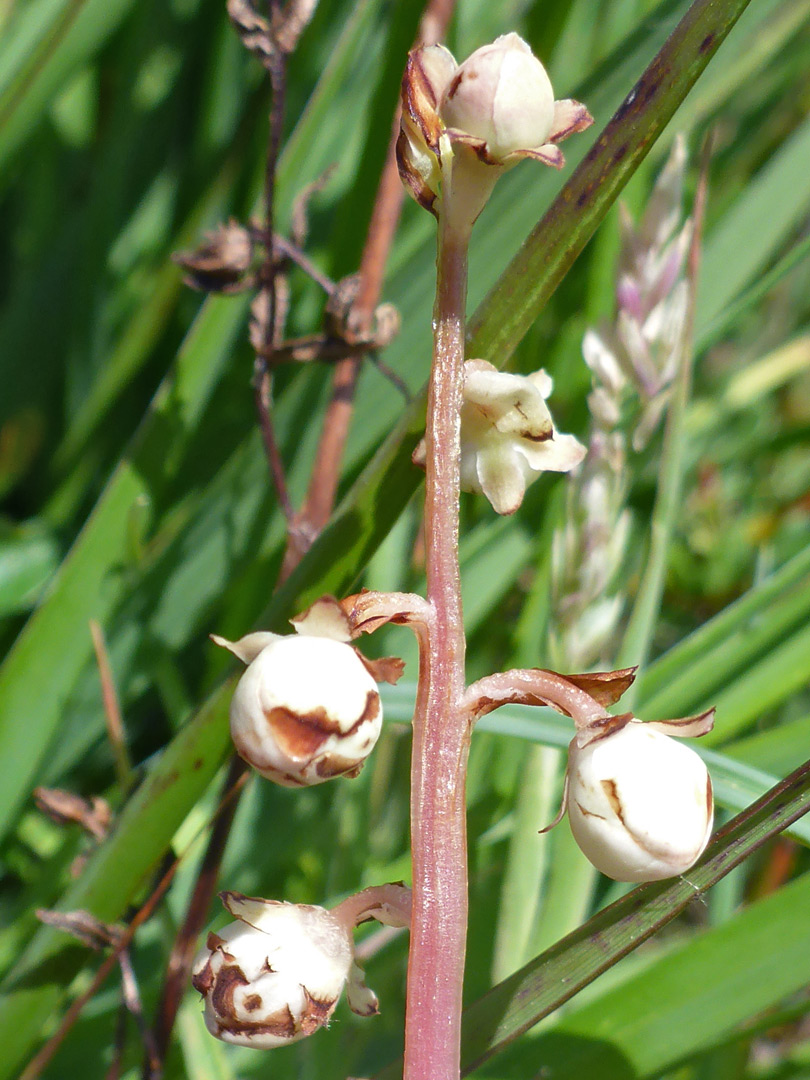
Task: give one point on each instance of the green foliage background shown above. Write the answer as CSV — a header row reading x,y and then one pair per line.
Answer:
x,y
135,493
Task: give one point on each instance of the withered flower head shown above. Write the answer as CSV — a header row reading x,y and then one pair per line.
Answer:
x,y
307,709
494,109
507,435
275,975
221,264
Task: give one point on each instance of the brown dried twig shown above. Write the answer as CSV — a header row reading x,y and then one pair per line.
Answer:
x,y
63,807
112,708
320,496
185,944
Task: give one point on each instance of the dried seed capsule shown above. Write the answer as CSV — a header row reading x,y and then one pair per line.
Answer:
x,y
275,975
639,802
306,710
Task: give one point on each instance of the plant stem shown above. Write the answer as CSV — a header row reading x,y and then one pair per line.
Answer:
x,y
440,730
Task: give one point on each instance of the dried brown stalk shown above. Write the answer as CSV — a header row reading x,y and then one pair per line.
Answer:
x,y
112,708
185,944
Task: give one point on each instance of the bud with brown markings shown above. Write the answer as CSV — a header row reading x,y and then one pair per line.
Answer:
x,y
307,709
275,974
475,120
640,803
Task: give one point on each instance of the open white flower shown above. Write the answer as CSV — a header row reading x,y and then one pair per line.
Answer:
x,y
507,435
307,708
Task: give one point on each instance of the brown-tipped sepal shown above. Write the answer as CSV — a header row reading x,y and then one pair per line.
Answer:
x,y
427,72
325,617
606,687
274,975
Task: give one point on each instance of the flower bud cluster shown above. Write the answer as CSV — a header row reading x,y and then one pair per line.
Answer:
x,y
307,709
639,802
507,435
477,119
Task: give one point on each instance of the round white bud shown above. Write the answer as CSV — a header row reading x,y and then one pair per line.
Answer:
x,y
502,95
273,976
639,802
305,710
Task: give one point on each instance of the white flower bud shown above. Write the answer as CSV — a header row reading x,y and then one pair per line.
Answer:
x,y
306,710
275,975
639,802
502,95
478,118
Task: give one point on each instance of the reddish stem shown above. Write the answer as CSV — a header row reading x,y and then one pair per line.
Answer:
x,y
388,904
532,686
440,728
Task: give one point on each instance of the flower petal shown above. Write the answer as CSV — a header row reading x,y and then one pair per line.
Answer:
x,y
362,1000
478,146
569,117
560,454
247,648
686,727
501,478
416,171
512,403
548,153
324,618
427,73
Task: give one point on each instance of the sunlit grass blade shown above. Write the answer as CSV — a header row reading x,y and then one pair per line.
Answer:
x,y
740,247
117,873
703,992
747,630
71,35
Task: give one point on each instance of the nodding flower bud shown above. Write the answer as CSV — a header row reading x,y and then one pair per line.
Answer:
x,y
480,117
640,804
502,96
307,709
275,974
